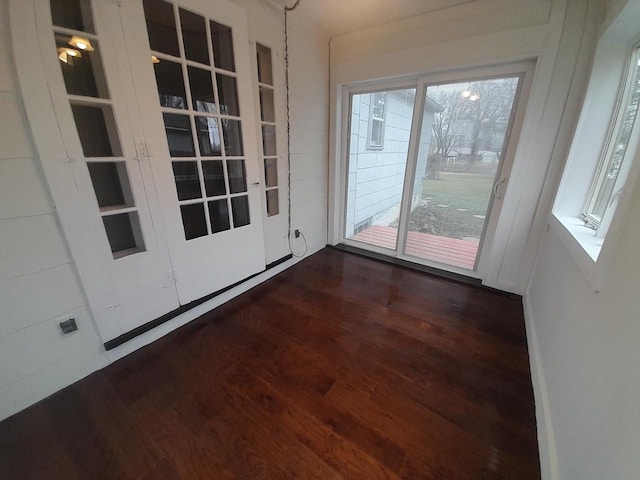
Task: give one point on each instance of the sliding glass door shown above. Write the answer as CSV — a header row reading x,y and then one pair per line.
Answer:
x,y
460,150
428,165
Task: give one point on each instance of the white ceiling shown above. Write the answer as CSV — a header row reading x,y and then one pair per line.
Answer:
x,y
342,16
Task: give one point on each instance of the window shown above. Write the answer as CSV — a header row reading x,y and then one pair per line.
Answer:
x,y
377,109
268,127
603,166
610,176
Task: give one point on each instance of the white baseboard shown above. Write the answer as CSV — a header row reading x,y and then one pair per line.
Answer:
x,y
546,439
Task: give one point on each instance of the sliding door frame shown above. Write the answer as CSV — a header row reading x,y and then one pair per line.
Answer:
x,y
523,70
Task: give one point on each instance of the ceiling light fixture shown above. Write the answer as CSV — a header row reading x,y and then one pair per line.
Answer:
x,y
155,59
81,43
67,55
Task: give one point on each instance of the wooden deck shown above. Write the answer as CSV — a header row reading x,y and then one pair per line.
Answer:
x,y
450,251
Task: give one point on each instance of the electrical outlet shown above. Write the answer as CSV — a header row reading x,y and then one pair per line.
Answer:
x,y
68,326
296,232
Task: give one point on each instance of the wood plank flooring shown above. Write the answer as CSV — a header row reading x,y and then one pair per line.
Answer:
x,y
339,368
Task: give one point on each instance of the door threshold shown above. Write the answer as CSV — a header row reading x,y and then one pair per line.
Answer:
x,y
438,272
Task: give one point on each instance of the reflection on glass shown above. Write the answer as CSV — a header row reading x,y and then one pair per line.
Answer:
x,y
222,43
202,90
97,131
219,215
240,209
178,129
194,36
170,84
272,202
232,137
237,176
193,220
187,180
618,147
227,95
208,136
267,112
271,172
82,70
161,26
73,14
213,172
264,64
269,140
110,182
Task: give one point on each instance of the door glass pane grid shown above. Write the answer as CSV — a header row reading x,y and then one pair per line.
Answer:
x,y
85,80
206,103
266,93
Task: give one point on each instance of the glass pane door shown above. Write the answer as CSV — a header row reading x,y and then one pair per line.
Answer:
x,y
379,145
197,92
461,145
194,91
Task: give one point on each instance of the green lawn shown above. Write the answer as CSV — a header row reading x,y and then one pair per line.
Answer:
x,y
460,190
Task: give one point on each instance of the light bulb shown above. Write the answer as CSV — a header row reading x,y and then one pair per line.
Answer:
x,y
474,97
67,54
81,43
466,94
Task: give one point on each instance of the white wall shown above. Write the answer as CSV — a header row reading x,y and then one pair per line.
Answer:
x,y
483,33
309,80
583,318
38,282
588,360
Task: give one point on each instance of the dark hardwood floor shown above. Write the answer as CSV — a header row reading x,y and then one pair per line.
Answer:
x,y
339,368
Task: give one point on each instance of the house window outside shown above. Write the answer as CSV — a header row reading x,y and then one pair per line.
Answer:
x,y
610,175
375,140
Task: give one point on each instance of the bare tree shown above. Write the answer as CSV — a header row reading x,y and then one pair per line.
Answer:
x,y
490,112
446,124
475,120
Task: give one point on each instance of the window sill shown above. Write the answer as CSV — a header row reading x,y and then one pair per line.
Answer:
x,y
583,247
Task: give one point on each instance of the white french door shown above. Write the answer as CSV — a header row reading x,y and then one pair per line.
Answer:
x,y
428,162
195,98
159,200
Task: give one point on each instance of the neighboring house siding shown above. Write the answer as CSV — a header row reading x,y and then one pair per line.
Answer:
x,y
376,175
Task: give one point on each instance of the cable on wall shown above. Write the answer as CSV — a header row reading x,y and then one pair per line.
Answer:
x,y
286,78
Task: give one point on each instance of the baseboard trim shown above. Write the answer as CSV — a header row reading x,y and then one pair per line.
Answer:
x,y
142,329
546,439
